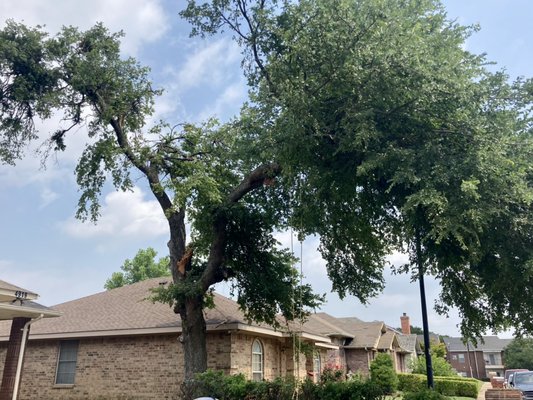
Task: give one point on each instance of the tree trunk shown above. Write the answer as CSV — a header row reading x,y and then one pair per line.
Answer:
x,y
193,336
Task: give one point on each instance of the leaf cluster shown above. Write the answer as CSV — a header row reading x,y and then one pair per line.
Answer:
x,y
143,266
389,131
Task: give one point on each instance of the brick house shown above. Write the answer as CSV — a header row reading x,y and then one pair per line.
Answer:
x,y
360,341
480,361
118,345
17,306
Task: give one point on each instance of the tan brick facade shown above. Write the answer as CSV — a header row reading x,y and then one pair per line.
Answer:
x,y
143,367
358,360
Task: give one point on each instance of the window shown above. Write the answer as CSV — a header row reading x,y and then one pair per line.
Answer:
x,y
317,366
461,358
257,361
66,364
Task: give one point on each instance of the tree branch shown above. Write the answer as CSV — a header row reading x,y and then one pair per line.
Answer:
x,y
254,180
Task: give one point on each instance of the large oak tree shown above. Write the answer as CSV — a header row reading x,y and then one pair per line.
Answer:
x,y
369,125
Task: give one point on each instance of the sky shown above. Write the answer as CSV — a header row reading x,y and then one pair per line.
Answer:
x,y
43,248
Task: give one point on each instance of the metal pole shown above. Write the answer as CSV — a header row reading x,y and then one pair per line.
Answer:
x,y
425,325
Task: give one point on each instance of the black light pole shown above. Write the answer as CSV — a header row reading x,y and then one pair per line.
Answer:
x,y
425,325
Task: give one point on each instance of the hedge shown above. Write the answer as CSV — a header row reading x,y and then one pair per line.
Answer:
x,y
236,387
446,385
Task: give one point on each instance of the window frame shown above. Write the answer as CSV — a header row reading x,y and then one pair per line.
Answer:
x,y
74,345
258,374
317,362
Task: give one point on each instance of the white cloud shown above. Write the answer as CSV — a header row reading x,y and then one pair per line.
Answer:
x,y
228,103
47,197
143,21
208,64
123,214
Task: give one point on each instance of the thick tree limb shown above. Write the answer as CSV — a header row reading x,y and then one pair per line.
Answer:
x,y
257,178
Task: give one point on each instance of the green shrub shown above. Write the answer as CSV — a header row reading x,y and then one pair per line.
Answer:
x,y
351,390
456,387
331,375
425,394
412,382
449,386
383,374
441,367
219,385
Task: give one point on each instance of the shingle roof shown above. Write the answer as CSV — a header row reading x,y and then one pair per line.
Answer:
x,y
408,342
8,291
486,343
128,308
325,324
386,341
366,334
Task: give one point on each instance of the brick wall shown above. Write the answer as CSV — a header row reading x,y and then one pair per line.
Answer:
x,y
495,394
146,367
357,361
473,365
241,355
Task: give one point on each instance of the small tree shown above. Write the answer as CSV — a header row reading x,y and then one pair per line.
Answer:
x,y
143,266
441,367
383,374
519,354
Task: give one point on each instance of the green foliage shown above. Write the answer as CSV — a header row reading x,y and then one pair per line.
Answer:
x,y
199,172
383,374
395,132
519,354
369,126
219,385
142,266
412,382
425,394
441,367
331,375
438,350
449,386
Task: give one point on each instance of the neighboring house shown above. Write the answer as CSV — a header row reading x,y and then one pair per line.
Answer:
x,y
481,361
359,342
409,342
117,345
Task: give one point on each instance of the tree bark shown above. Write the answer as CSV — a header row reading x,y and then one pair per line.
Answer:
x,y
193,336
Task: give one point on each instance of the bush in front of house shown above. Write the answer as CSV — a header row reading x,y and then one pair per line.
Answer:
x,y
350,390
425,394
441,367
382,372
456,386
446,385
412,382
219,385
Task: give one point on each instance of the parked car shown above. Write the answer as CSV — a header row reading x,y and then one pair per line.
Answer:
x,y
508,376
523,381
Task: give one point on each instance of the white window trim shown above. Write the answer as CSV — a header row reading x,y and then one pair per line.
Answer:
x,y
261,355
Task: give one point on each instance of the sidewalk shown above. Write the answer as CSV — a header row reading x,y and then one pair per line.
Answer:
x,y
482,390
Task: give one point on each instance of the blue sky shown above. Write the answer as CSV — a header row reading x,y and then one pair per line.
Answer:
x,y
44,249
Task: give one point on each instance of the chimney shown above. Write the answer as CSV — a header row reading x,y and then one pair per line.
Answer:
x,y
406,324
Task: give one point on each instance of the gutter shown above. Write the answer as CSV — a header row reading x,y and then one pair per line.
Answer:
x,y
21,354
